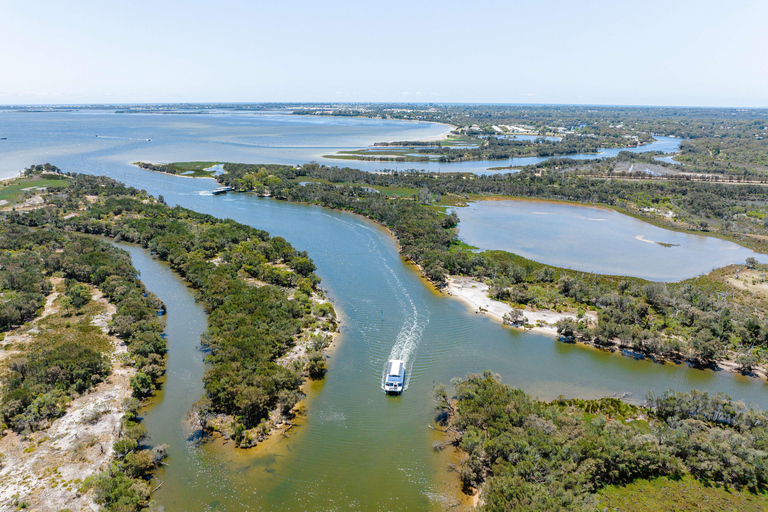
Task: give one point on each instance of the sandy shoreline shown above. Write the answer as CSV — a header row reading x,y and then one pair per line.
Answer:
x,y
442,136
475,294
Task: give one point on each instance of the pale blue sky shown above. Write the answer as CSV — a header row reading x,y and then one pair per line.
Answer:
x,y
597,52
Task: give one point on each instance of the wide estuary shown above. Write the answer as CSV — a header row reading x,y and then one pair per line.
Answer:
x,y
355,448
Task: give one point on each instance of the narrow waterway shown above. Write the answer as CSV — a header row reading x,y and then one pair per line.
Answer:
x,y
165,417
358,449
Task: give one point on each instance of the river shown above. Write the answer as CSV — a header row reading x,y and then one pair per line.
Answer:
x,y
356,449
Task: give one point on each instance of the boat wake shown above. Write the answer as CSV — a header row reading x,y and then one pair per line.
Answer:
x,y
408,338
415,316
121,138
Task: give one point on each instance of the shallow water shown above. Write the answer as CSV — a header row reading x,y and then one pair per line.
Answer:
x,y
594,240
358,449
103,141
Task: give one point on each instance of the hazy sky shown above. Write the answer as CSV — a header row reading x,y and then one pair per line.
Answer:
x,y
710,53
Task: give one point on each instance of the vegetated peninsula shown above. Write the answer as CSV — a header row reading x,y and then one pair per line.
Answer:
x,y
715,140
707,321
524,454
80,338
267,328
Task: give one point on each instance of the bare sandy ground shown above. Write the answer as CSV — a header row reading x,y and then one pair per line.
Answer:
x,y
749,280
45,470
475,294
442,136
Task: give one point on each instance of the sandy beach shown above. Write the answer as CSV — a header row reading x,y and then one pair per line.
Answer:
x,y
475,294
442,136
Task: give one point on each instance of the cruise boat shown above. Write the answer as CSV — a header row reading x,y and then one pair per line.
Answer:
x,y
395,380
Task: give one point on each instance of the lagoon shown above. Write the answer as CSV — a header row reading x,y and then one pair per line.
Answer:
x,y
594,240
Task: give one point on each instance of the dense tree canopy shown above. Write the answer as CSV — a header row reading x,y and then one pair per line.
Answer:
x,y
531,455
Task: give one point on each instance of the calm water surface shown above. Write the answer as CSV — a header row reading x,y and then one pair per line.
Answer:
x,y
103,141
357,449
594,240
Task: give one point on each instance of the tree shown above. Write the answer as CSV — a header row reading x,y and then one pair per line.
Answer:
x,y
142,385
316,365
514,317
79,295
706,347
567,328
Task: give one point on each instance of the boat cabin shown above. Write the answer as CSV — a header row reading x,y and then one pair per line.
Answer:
x,y
395,379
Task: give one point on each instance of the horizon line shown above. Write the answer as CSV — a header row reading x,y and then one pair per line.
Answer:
x,y
313,103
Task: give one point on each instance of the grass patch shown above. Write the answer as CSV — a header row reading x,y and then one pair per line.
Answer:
x,y
12,191
687,493
460,141
397,154
397,191
195,169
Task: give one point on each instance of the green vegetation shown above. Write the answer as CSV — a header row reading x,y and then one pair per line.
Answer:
x,y
16,191
390,155
193,169
700,320
485,148
21,277
670,494
256,288
734,212
530,455
125,485
69,355
721,140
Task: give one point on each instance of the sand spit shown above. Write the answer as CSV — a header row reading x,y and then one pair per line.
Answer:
x,y
475,294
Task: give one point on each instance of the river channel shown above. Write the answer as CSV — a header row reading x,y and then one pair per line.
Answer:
x,y
101,141
357,449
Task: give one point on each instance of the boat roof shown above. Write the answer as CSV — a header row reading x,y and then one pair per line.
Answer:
x,y
396,367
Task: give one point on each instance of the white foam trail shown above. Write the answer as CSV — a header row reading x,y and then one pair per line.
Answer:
x,y
414,321
120,138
